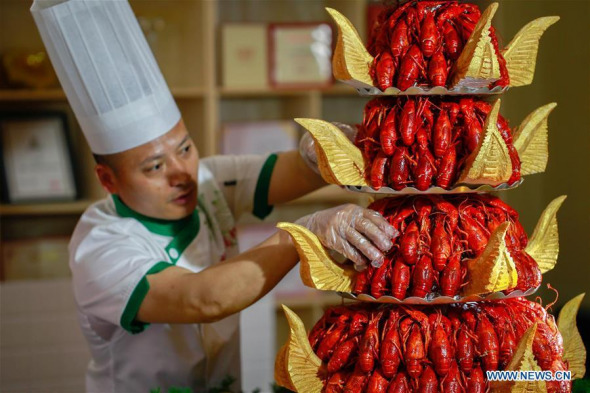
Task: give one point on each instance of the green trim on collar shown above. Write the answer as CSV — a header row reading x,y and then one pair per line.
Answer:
x,y
261,206
129,320
155,225
176,247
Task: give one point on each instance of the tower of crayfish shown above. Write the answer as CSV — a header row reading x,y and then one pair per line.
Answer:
x,y
447,306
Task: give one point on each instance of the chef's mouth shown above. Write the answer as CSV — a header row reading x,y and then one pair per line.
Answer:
x,y
185,197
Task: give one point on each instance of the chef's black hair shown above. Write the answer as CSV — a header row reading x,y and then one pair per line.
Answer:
x,y
105,159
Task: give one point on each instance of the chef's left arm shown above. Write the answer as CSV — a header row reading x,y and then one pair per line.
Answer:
x,y
292,178
297,173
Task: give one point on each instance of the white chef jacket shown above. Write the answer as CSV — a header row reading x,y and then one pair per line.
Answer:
x,y
112,250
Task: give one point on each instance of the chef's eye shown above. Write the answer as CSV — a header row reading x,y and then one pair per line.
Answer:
x,y
185,149
153,168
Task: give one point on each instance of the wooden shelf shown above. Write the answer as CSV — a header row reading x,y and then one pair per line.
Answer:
x,y
8,95
339,89
20,95
327,195
45,209
232,92
330,195
191,63
335,90
189,92
309,299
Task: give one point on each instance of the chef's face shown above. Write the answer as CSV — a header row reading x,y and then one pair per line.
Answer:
x,y
157,179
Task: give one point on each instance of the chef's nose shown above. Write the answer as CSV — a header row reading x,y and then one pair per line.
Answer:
x,y
178,173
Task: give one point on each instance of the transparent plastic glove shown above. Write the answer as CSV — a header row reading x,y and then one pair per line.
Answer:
x,y
307,145
361,235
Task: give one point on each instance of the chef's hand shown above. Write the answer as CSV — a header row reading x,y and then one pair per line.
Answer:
x,y
307,145
361,235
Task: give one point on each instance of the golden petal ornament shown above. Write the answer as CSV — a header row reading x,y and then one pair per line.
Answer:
x,y
282,376
522,360
494,270
521,52
351,61
339,160
531,140
490,162
317,269
543,245
573,346
478,65
302,364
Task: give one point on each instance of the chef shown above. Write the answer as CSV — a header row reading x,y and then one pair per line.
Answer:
x,y
158,280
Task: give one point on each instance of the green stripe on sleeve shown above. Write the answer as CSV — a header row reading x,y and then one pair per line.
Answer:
x,y
128,319
261,206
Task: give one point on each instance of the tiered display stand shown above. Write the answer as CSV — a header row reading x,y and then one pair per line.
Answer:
x,y
492,274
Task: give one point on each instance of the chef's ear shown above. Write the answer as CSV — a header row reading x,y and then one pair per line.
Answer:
x,y
106,176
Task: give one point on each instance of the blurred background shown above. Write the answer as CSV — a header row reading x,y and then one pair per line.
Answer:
x,y
229,64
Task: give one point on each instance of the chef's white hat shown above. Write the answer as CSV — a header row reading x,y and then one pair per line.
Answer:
x,y
107,71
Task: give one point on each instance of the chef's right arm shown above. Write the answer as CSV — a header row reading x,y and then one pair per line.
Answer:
x,y
177,295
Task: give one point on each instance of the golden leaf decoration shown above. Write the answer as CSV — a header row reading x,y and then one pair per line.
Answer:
x,y
522,360
282,376
477,65
543,245
531,141
351,59
573,346
303,365
494,270
490,162
317,269
521,52
339,160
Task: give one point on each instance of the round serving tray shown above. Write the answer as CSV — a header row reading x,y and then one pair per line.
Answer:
x,y
458,189
434,299
366,91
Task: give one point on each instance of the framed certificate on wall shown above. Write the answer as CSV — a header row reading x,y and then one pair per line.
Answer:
x,y
259,137
36,157
245,55
300,55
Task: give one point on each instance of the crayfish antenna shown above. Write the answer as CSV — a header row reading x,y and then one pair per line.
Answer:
x,y
521,53
547,307
531,140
